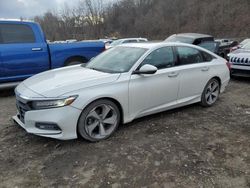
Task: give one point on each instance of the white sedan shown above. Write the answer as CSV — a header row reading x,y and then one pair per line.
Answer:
x,y
118,86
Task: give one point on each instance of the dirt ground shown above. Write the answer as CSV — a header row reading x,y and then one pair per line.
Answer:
x,y
188,147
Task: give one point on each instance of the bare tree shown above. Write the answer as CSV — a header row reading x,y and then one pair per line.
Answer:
x,y
155,19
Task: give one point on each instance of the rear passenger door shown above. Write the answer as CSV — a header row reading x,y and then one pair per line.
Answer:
x,y
23,53
194,72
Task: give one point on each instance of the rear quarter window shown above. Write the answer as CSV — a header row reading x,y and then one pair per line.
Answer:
x,y
188,55
16,33
207,57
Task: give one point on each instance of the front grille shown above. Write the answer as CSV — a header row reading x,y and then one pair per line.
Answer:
x,y
240,61
22,107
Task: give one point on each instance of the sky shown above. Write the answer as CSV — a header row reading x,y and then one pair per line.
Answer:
x,y
15,9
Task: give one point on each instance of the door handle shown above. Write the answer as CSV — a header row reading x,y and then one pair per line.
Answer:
x,y
204,69
173,74
36,49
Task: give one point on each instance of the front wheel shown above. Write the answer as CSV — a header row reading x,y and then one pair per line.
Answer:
x,y
99,120
211,93
75,61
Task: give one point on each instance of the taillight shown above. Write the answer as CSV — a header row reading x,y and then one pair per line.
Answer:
x,y
228,65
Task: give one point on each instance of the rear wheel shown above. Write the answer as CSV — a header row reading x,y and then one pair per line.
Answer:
x,y
99,120
211,93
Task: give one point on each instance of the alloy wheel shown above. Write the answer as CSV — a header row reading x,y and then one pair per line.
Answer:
x,y
101,121
212,92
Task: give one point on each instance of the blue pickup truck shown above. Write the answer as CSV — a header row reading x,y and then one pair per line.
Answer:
x,y
24,52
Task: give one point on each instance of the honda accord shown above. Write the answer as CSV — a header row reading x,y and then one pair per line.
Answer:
x,y
118,86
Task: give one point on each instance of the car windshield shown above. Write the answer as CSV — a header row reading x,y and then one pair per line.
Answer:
x,y
116,60
247,46
179,39
115,43
244,42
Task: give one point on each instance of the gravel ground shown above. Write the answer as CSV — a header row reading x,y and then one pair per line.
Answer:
x,y
188,147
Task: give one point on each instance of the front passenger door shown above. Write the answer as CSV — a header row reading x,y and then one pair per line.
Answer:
x,y
153,93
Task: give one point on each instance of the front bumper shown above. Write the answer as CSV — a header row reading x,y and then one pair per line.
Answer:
x,y
241,71
65,118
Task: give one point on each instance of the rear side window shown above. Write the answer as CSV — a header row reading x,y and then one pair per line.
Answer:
x,y
16,33
207,57
188,55
130,41
161,58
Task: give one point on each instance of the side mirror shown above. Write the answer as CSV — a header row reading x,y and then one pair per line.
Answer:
x,y
146,69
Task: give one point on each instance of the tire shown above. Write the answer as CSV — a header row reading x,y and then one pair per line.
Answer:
x,y
75,61
99,120
211,93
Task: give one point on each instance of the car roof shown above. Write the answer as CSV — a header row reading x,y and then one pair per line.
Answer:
x,y
15,21
151,45
155,45
245,40
132,39
193,35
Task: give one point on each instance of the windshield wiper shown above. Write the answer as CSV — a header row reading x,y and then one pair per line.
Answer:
x,y
92,68
105,71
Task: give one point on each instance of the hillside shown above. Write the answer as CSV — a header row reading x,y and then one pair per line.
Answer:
x,y
159,18
155,19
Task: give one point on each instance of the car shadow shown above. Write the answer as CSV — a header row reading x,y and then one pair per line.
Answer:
x,y
7,93
146,119
241,79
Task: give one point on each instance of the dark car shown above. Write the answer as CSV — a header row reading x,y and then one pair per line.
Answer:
x,y
190,38
226,46
202,40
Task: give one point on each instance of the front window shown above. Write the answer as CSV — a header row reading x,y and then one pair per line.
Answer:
x,y
116,60
161,58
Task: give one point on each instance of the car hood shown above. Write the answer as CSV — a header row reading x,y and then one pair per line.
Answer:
x,y
58,82
241,53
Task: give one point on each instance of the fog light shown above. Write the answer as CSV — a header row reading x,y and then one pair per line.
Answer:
x,y
48,126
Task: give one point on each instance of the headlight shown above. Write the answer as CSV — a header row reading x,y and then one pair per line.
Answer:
x,y
55,103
